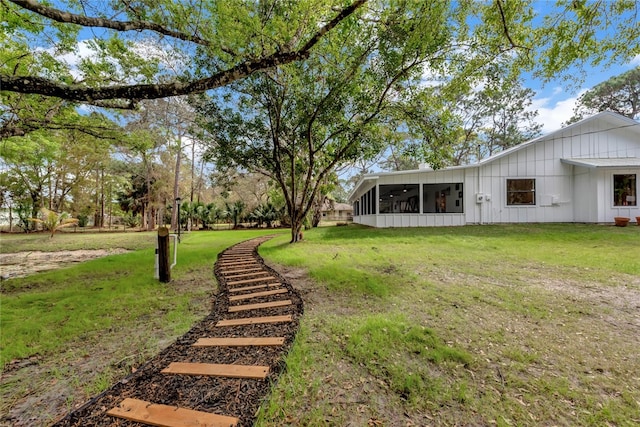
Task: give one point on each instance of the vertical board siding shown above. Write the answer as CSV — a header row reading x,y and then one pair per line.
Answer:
x,y
564,193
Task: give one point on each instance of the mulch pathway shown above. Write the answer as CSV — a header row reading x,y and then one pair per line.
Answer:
x,y
236,397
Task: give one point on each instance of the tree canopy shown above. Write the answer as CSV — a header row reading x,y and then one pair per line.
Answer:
x,y
142,50
620,94
147,51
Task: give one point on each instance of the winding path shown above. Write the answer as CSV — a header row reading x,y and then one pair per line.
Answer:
x,y
219,372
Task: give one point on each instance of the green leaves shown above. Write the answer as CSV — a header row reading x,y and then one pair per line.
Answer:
x,y
620,94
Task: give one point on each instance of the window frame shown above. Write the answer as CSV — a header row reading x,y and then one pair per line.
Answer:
x,y
408,200
533,192
618,194
451,191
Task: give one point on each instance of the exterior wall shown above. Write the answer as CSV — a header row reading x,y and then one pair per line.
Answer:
x,y
564,192
553,183
585,207
337,215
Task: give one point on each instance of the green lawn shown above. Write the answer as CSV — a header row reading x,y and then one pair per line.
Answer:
x,y
477,325
81,328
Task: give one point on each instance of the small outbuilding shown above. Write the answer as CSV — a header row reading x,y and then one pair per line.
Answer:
x,y
586,172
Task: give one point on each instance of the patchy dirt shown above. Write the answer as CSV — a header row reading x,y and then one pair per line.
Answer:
x,y
21,264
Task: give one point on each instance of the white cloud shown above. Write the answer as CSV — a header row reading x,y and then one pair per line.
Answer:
x,y
635,61
551,114
73,59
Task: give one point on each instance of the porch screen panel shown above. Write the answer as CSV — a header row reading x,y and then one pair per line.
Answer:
x,y
443,198
521,192
373,201
399,198
625,190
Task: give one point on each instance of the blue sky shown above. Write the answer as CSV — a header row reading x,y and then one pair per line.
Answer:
x,y
555,100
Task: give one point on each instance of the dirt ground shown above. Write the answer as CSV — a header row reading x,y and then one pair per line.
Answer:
x,y
21,264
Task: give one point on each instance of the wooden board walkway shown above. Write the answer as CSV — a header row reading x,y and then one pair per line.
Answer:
x,y
258,279
247,307
217,370
238,342
168,416
253,287
242,276
254,320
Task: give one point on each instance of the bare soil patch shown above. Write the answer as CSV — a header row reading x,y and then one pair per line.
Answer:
x,y
22,264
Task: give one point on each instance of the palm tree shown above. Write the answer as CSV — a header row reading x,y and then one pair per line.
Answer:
x,y
213,215
234,212
53,221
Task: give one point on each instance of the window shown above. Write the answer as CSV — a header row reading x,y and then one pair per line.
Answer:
x,y
399,198
521,192
442,198
367,203
624,190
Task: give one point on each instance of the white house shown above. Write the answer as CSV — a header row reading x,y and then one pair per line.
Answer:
x,y
586,172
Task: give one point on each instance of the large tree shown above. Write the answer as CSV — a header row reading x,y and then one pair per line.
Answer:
x,y
494,118
620,94
299,122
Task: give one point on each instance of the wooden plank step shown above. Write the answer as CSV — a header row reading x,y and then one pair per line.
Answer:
x,y
254,270
168,416
243,270
255,320
225,266
256,273
238,263
250,288
217,370
259,279
239,342
281,303
258,294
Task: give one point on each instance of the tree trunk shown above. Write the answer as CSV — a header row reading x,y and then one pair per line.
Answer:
x,y
296,230
176,189
102,198
10,219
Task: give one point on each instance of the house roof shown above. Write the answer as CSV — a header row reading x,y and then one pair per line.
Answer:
x,y
624,162
616,121
335,206
342,207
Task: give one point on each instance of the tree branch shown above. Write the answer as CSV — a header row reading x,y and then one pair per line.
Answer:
x,y
81,93
506,29
87,21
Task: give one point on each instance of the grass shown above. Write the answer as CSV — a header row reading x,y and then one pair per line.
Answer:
x,y
84,326
482,325
478,325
